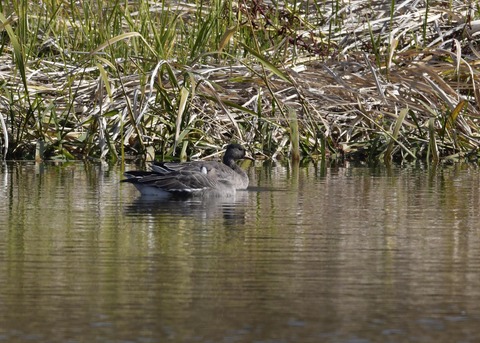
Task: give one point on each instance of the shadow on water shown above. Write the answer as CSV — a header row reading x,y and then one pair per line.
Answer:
x,y
208,207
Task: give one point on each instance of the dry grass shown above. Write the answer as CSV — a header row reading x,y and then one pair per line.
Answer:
x,y
367,81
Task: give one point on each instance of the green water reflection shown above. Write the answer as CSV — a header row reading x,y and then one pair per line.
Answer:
x,y
305,255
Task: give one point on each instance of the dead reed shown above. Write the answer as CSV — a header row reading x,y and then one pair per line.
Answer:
x,y
359,80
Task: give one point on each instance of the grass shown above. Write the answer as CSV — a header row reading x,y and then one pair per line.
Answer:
x,y
117,80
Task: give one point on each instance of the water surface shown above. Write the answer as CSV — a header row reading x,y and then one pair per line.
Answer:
x,y
307,254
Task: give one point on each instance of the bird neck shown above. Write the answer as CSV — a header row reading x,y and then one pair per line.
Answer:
x,y
239,178
230,162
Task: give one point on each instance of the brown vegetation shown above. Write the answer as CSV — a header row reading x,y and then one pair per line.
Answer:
x,y
362,80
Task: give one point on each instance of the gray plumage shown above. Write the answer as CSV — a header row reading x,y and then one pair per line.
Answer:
x,y
191,178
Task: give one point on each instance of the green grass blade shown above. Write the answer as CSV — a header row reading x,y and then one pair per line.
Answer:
x,y
17,50
394,137
432,146
184,93
269,66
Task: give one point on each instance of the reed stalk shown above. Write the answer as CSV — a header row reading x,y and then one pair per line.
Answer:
x,y
294,135
122,80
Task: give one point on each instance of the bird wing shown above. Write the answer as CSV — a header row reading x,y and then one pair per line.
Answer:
x,y
173,181
196,166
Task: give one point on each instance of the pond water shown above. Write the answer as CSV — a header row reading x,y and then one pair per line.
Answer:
x,y
309,254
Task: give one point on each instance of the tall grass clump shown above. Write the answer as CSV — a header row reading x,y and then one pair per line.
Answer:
x,y
371,81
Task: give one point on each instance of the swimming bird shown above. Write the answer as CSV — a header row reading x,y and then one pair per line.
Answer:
x,y
194,177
